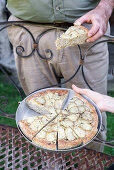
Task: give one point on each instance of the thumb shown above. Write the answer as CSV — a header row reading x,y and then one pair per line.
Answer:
x,y
76,89
80,21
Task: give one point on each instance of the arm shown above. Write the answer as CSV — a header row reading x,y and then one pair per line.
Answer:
x,y
98,17
104,103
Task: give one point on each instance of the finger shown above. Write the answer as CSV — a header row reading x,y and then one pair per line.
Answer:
x,y
98,35
80,21
78,90
95,28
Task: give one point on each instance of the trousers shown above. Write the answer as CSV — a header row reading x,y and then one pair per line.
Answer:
x,y
35,73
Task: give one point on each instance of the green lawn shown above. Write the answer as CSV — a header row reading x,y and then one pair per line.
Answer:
x,y
13,96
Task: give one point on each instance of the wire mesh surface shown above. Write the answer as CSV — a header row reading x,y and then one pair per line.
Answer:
x,y
17,153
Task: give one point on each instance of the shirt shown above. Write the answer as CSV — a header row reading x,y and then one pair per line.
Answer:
x,y
49,11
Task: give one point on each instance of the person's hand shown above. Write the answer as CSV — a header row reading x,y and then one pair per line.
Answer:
x,y
98,18
94,96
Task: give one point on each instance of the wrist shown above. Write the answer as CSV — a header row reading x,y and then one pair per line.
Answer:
x,y
107,7
107,104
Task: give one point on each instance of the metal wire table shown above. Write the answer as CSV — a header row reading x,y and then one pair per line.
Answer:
x,y
17,153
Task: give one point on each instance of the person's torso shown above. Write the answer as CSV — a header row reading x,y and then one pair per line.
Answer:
x,y
49,11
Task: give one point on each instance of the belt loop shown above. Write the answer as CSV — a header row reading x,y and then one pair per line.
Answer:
x,y
81,61
35,46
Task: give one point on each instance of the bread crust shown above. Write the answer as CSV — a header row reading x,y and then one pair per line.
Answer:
x,y
26,130
92,133
93,112
60,92
64,144
44,143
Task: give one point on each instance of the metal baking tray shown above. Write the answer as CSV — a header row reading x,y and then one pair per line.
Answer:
x,y
23,111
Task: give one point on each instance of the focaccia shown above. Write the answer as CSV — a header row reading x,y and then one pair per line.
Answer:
x,y
73,36
42,101
62,128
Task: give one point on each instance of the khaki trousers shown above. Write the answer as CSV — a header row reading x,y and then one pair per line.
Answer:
x,y
35,73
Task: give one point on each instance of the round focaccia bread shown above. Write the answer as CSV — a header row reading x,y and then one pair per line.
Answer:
x,y
62,128
73,36
42,101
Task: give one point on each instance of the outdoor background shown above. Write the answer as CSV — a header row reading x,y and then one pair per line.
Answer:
x,y
12,95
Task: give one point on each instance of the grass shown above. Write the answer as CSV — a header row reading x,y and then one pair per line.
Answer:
x,y
13,96
110,128
10,104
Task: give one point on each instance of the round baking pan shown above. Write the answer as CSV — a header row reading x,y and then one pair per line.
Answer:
x,y
23,111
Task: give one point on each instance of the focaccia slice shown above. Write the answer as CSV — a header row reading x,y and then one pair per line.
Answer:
x,y
73,36
42,101
66,136
47,137
80,105
75,128
32,125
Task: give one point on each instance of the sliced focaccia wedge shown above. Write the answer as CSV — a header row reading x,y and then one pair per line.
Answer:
x,y
32,125
79,105
42,101
47,137
66,136
76,128
73,36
